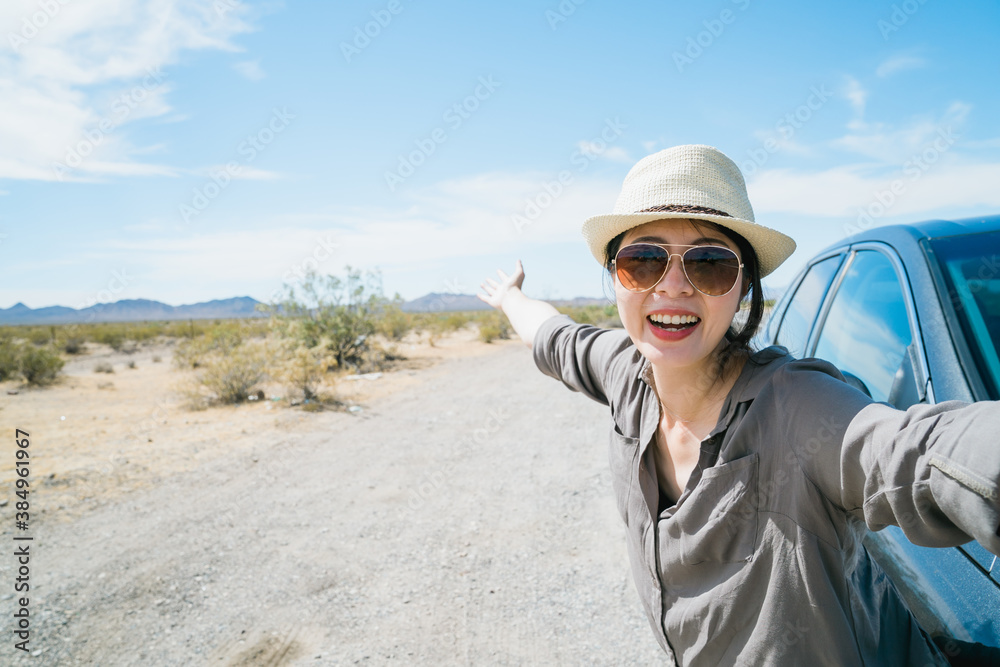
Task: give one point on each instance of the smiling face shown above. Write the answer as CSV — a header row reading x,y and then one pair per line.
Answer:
x,y
644,314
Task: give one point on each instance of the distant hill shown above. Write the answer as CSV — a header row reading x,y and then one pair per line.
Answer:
x,y
139,310
436,302
130,310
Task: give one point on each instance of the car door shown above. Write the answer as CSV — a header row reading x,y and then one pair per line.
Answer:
x,y
867,326
792,321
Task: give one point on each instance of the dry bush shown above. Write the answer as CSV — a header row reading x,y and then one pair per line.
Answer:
x,y
231,377
39,366
492,326
8,357
304,368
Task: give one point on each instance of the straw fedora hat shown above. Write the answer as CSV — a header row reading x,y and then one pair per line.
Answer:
x,y
691,181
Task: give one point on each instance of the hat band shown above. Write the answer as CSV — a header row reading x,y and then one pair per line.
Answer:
x,y
684,208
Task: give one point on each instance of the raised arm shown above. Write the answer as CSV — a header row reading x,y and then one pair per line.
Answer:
x,y
525,314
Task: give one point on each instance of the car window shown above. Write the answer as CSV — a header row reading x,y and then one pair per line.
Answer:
x,y
867,331
971,267
801,311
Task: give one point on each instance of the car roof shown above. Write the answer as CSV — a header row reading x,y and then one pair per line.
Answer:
x,y
893,234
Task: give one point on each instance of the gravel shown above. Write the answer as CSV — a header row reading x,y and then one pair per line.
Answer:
x,y
465,519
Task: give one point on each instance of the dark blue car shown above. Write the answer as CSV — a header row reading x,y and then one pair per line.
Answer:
x,y
911,314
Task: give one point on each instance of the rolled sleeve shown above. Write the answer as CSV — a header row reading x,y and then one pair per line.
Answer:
x,y
580,355
932,470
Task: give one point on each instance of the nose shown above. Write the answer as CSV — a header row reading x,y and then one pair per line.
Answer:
x,y
674,282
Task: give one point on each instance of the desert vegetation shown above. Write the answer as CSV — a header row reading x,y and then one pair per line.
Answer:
x,y
322,328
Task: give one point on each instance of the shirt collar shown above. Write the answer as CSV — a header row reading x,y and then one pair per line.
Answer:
x,y
755,375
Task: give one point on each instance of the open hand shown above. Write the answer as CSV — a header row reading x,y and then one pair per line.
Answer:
x,y
496,291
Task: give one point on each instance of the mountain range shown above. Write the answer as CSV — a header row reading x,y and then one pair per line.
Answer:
x,y
138,310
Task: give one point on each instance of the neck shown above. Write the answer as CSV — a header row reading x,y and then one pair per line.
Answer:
x,y
692,393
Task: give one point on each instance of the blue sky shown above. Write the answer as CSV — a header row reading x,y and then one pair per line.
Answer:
x,y
186,151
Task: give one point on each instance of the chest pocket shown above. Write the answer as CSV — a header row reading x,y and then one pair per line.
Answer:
x,y
717,523
622,454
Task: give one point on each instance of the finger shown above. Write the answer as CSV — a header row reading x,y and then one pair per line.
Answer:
x,y
492,282
503,276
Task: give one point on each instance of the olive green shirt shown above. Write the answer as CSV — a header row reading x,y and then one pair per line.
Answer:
x,y
759,562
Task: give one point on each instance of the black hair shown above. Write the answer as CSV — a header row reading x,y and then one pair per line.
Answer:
x,y
738,338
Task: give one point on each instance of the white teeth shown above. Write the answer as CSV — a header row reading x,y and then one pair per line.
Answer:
x,y
674,319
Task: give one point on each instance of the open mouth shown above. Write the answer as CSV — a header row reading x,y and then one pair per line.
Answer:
x,y
673,322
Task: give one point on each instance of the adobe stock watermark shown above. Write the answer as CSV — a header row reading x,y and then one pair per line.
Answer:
x,y
900,15
786,126
914,168
549,191
121,108
221,178
454,116
561,13
363,35
701,42
32,25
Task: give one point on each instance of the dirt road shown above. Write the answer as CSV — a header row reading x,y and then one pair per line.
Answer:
x,y
464,517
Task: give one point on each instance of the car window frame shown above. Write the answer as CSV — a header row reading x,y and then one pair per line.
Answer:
x,y
777,319
925,384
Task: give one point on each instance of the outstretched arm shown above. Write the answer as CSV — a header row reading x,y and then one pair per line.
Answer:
x,y
525,314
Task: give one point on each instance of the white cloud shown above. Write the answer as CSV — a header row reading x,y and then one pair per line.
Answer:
x,y
914,188
443,223
893,145
57,67
899,63
856,95
250,69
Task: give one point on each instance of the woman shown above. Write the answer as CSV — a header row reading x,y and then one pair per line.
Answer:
x,y
746,479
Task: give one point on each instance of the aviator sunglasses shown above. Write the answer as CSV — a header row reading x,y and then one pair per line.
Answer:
x,y
712,270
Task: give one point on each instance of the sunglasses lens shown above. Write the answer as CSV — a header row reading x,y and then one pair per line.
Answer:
x,y
712,270
640,266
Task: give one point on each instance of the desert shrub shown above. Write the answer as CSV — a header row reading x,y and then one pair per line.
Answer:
x,y
115,338
131,363
40,335
39,366
493,326
605,316
391,321
8,357
304,369
232,376
157,359
338,315
103,367
144,331
191,352
456,321
73,344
